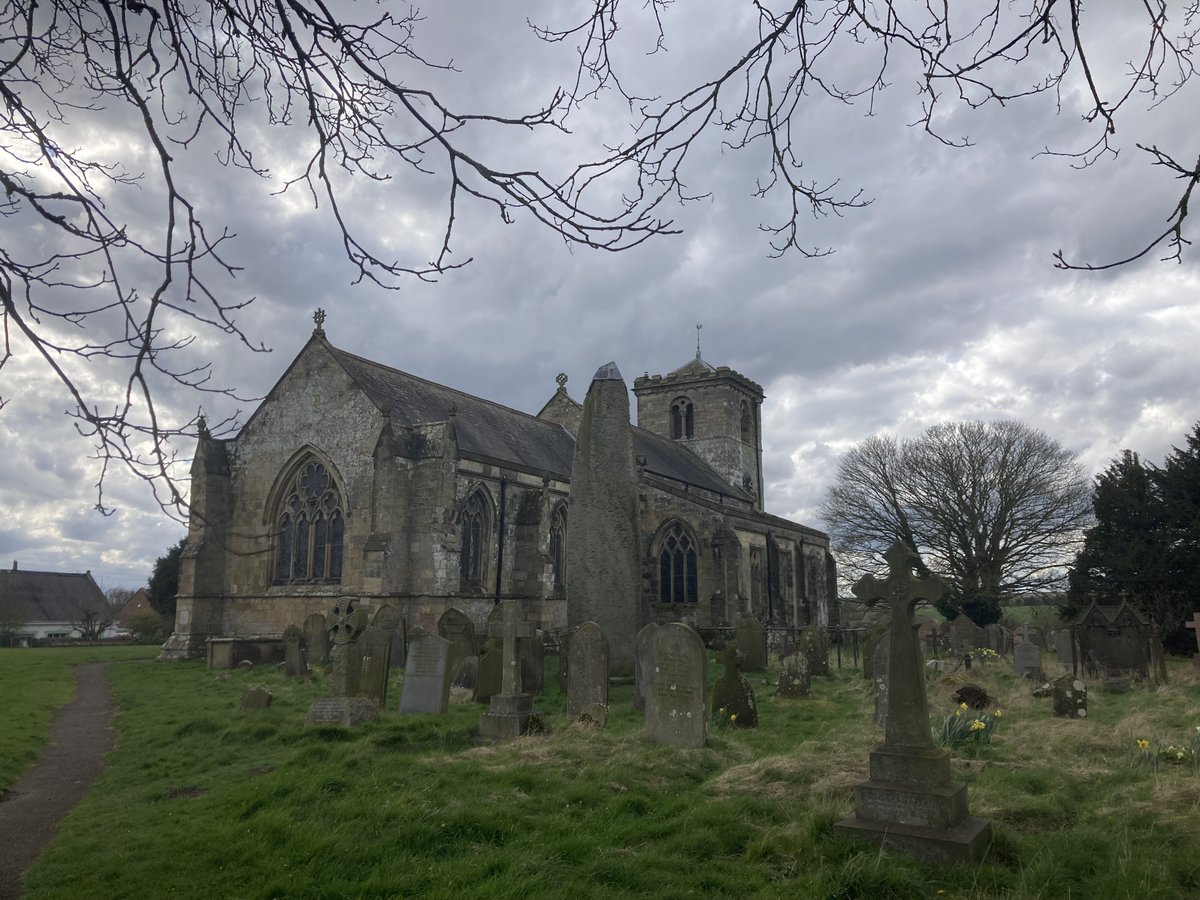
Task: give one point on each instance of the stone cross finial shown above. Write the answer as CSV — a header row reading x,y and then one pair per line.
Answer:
x,y
510,630
561,380
319,319
908,708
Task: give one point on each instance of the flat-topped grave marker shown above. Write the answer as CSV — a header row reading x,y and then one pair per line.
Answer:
x,y
910,802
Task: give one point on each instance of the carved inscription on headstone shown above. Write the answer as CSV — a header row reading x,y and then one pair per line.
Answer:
x,y
426,687
676,698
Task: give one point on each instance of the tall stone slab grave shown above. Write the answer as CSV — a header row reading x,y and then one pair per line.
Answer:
x,y
510,712
1027,660
456,627
910,802
677,689
344,624
294,663
368,662
750,638
316,639
426,687
604,577
388,619
643,670
587,685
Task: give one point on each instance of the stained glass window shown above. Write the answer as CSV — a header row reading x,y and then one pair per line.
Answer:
x,y
677,582
310,528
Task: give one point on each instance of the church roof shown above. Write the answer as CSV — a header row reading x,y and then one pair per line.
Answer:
x,y
694,366
47,596
490,431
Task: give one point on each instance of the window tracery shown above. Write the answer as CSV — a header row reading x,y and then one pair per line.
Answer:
x,y
677,577
310,528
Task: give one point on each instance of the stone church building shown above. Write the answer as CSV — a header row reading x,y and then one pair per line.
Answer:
x,y
354,478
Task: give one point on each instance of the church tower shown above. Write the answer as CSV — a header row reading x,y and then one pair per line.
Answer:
x,y
714,412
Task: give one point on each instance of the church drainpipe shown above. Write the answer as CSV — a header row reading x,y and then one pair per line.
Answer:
x,y
500,546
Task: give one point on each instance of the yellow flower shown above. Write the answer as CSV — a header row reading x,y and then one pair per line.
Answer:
x,y
1142,744
998,713
978,725
733,717
962,706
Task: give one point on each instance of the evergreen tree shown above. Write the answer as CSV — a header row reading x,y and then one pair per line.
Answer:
x,y
164,583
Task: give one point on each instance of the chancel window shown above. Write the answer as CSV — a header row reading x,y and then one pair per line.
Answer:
x,y
683,419
475,521
310,528
677,567
558,546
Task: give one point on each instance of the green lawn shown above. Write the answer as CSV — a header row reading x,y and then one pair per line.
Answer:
x,y
204,800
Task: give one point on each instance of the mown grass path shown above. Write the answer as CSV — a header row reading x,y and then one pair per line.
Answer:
x,y
81,735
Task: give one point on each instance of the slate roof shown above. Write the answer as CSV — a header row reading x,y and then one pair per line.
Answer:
x,y
490,431
48,596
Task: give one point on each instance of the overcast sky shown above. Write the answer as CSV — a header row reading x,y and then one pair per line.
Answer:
x,y
940,300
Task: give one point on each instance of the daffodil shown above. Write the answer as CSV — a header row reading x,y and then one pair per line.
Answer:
x,y
978,725
733,717
998,713
1143,744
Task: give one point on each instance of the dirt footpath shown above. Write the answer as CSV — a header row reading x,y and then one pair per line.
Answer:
x,y
81,735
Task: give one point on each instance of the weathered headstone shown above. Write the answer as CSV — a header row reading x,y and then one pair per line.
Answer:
x,y
733,698
344,624
677,690
465,676
880,668
316,639
256,698
750,639
794,678
294,663
643,665
604,573
369,663
1027,660
456,627
814,643
511,711
1070,698
1114,641
491,670
388,619
587,690
995,637
965,635
910,802
426,687
1064,648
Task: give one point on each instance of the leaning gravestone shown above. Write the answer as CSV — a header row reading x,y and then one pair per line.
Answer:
x,y
388,619
344,624
750,638
643,670
910,802
676,692
794,679
587,689
814,643
294,664
733,698
1070,698
426,687
879,666
1027,660
457,627
316,639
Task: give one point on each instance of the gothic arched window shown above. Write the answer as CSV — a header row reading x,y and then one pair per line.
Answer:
x,y
683,419
310,528
677,567
476,521
558,545
747,423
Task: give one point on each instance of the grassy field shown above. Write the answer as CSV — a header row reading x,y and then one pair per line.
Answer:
x,y
33,684
204,800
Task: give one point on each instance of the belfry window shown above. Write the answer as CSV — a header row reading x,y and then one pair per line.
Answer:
x,y
475,525
310,528
677,567
683,419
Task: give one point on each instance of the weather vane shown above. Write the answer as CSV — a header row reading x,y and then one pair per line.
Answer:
x,y
319,318
698,327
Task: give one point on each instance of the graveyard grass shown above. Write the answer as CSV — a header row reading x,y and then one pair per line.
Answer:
x,y
202,799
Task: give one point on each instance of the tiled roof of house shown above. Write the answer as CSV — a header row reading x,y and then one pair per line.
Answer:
x,y
47,596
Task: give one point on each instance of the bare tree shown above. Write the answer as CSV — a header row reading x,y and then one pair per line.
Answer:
x,y
81,283
996,509
95,616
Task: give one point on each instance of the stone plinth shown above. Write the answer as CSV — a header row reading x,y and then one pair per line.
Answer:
x,y
507,717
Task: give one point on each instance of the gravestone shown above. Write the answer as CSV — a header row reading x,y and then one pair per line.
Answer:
x,y
256,698
794,679
1029,634
604,571
490,680
1027,660
1070,698
996,637
344,624
369,665
750,639
874,634
677,689
879,666
426,687
1114,641
587,689
733,698
316,639
294,663
1064,648
643,665
511,711
814,643
388,619
1195,626
965,635
910,802
457,627
465,676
